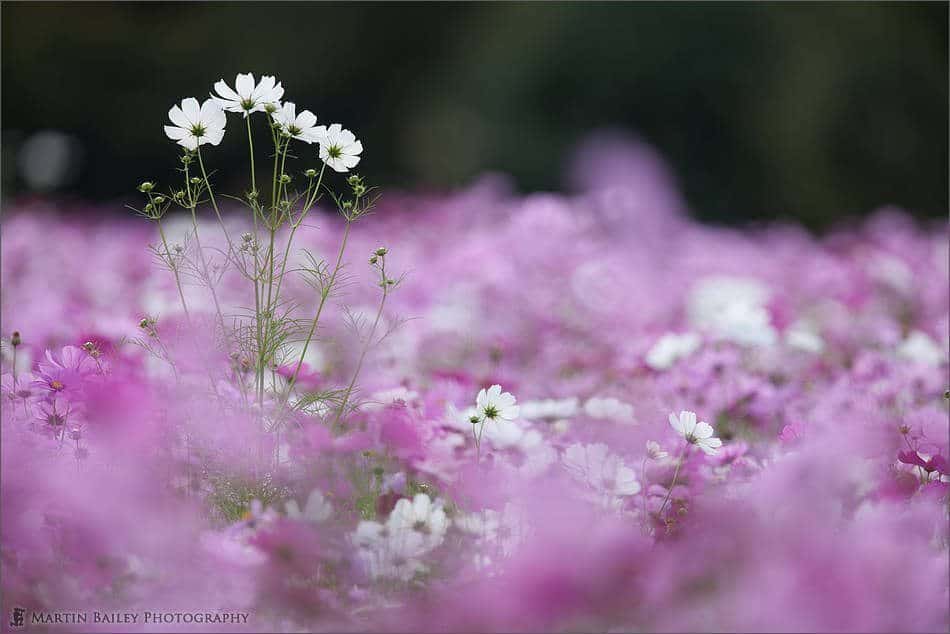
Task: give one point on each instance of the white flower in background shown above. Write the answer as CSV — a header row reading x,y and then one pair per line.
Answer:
x,y
496,534
495,405
385,553
891,271
549,408
316,510
803,336
385,398
732,308
920,348
302,127
699,434
339,148
655,452
247,97
421,515
394,549
609,409
670,348
196,125
603,472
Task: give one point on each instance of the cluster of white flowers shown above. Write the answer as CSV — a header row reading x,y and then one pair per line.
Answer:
x,y
196,124
316,510
607,478
394,550
497,534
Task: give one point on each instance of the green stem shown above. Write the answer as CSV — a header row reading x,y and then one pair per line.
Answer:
x,y
174,266
325,292
366,346
676,472
214,203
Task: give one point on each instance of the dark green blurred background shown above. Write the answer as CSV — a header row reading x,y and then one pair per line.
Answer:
x,y
810,111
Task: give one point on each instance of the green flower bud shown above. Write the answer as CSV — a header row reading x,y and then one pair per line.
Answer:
x,y
284,179
195,180
373,259
310,173
158,200
381,251
146,187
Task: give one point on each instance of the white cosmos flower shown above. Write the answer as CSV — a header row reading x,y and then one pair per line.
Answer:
x,y
493,404
655,452
733,309
316,510
609,409
196,125
605,473
699,434
421,515
670,348
389,553
302,127
247,97
920,348
339,148
549,408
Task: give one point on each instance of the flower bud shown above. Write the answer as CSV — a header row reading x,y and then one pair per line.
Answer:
x,y
474,420
186,159
195,180
284,179
158,200
373,259
310,173
270,108
146,187
15,339
381,251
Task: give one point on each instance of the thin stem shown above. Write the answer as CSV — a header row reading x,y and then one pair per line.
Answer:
x,y
174,266
325,292
366,346
676,472
214,203
250,146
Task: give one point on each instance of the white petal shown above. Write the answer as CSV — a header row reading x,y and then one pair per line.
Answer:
x,y
176,116
191,109
176,134
244,84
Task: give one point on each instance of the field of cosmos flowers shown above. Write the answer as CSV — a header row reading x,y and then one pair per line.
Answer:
x,y
469,411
